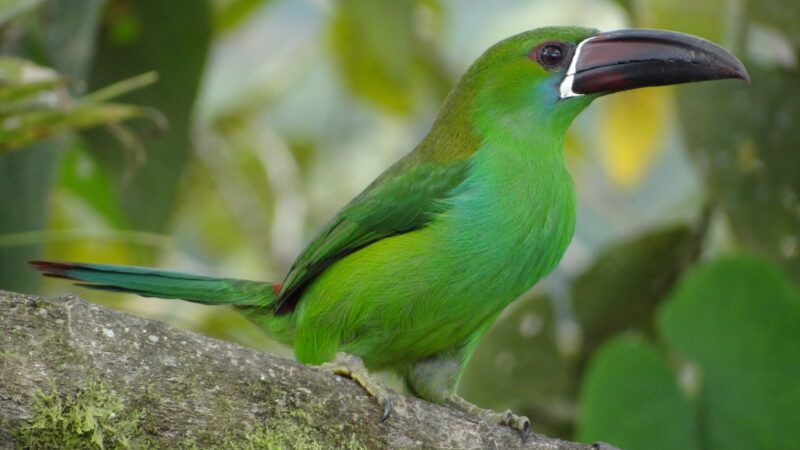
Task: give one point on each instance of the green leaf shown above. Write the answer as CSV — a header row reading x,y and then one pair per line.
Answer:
x,y
171,38
622,289
119,88
738,320
36,125
629,398
21,80
34,104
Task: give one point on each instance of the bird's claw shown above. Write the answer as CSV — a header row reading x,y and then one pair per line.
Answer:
x,y
507,418
387,409
519,423
352,367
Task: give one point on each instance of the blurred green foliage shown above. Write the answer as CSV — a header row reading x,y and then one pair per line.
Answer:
x,y
374,43
625,285
231,13
11,8
383,54
279,111
630,397
748,166
172,39
32,111
735,322
27,175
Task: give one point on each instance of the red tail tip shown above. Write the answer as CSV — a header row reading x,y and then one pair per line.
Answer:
x,y
55,269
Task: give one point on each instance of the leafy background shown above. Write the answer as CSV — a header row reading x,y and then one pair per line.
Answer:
x,y
216,136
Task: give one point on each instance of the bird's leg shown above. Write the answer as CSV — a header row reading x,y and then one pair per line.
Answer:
x,y
519,423
353,367
436,378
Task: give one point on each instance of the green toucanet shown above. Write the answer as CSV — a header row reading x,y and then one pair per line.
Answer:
x,y
410,274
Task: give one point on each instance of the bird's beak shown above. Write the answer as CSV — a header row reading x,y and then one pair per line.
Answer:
x,y
628,59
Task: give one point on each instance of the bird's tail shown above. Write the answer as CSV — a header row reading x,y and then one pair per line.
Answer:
x,y
149,282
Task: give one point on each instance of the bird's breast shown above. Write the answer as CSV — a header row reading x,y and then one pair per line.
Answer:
x,y
510,224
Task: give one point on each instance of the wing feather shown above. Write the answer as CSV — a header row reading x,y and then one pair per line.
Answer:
x,y
405,198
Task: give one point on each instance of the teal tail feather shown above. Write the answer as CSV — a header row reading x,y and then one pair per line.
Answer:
x,y
149,282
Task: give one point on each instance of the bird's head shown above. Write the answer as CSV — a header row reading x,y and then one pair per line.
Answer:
x,y
548,75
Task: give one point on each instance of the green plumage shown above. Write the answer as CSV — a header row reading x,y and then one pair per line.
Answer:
x,y
414,269
164,283
410,274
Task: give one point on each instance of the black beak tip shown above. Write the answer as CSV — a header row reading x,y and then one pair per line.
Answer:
x,y
745,76
737,69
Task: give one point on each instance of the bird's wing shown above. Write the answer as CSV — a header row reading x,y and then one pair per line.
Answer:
x,y
403,199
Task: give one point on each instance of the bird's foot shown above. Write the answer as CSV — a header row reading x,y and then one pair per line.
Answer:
x,y
353,367
508,418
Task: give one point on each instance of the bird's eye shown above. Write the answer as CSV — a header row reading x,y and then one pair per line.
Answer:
x,y
551,55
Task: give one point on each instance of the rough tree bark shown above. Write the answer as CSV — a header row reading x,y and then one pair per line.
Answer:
x,y
76,374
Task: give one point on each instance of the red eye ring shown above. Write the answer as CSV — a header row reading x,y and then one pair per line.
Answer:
x,y
551,55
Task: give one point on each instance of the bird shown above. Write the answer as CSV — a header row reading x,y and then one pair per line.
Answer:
x,y
409,275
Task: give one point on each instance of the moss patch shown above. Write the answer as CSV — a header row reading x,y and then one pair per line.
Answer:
x,y
290,424
294,432
91,418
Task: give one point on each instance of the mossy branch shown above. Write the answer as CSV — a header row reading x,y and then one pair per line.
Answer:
x,y
77,375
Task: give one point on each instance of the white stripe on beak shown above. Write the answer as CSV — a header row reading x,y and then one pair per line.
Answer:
x,y
569,78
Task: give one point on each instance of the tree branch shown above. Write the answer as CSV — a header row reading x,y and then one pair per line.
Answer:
x,y
75,373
